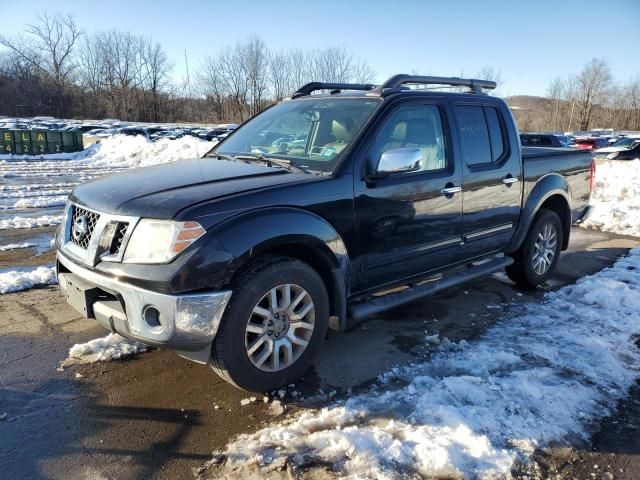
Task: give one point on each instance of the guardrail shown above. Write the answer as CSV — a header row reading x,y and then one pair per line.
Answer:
x,y
39,142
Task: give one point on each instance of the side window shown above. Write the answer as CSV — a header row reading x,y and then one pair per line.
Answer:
x,y
482,136
413,126
495,133
474,134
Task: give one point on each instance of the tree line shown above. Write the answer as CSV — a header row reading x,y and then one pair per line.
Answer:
x,y
55,68
589,99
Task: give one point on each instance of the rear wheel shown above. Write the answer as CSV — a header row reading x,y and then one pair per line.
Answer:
x,y
538,256
273,325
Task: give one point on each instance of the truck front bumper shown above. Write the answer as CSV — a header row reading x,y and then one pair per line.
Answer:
x,y
185,322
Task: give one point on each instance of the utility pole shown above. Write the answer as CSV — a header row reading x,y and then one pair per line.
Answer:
x,y
573,104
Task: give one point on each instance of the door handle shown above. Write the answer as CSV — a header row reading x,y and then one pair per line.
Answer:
x,y
450,190
508,180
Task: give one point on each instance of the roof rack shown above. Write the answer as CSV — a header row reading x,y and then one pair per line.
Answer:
x,y
313,86
476,86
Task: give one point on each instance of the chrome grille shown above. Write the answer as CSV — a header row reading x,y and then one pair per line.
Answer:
x,y
118,237
92,220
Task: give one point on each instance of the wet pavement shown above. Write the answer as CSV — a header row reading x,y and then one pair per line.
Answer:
x,y
160,416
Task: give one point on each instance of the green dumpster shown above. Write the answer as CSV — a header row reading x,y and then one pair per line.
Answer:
x,y
6,141
69,142
54,141
22,139
39,142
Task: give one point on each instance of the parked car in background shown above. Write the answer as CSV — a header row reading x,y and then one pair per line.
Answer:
x,y
134,131
621,144
84,128
544,140
592,143
630,152
171,134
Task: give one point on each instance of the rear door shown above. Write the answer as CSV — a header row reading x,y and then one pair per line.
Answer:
x,y
492,175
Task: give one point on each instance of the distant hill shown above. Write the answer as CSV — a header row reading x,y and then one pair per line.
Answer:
x,y
528,102
530,112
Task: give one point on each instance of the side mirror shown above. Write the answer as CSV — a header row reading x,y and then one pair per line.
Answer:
x,y
399,160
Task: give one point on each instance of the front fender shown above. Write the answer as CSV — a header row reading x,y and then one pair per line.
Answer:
x,y
546,187
233,243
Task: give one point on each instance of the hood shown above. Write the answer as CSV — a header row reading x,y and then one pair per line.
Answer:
x,y
163,190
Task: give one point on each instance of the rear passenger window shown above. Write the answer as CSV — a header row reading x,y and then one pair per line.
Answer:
x,y
474,134
495,133
481,134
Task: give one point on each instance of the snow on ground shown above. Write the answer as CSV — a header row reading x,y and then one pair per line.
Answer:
x,y
474,410
111,347
616,199
25,278
41,244
26,193
30,222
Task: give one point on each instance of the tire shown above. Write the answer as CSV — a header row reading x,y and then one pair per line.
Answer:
x,y
243,338
526,271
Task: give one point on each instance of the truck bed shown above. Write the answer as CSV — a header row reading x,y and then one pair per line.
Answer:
x,y
573,165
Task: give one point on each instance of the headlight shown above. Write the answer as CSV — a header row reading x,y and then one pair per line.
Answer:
x,y
159,241
613,155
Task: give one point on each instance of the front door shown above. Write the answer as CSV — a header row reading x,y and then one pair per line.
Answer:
x,y
407,223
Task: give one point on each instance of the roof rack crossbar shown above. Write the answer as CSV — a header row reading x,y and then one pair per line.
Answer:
x,y
314,86
474,84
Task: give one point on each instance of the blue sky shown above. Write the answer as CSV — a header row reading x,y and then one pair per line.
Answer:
x,y
529,42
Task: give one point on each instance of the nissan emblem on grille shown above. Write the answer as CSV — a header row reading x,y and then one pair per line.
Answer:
x,y
80,228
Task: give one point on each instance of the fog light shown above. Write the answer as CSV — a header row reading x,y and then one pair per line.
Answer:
x,y
151,315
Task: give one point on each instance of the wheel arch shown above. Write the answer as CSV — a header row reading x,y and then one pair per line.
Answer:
x,y
553,193
294,233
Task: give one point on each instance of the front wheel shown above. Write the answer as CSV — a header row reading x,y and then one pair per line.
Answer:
x,y
538,256
273,326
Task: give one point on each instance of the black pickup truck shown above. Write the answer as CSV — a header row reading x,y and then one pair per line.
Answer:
x,y
320,211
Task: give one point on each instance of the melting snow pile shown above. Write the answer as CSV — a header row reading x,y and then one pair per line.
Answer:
x,y
474,410
25,278
114,151
616,199
111,347
30,222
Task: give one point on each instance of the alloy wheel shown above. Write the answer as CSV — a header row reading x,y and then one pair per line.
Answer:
x,y
544,249
280,327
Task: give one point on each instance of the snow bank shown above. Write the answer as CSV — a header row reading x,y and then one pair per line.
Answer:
x,y
123,150
118,150
37,202
616,199
30,222
17,246
474,410
25,278
111,347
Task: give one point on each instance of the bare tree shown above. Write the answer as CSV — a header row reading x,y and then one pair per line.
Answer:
x,y
48,45
155,74
256,62
280,74
492,74
593,84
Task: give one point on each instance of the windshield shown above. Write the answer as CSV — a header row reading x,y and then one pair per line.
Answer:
x,y
309,133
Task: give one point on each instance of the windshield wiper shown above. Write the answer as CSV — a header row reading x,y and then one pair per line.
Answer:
x,y
272,161
223,156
